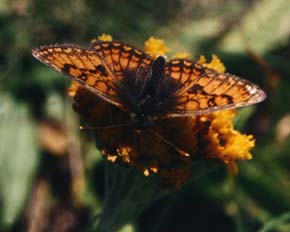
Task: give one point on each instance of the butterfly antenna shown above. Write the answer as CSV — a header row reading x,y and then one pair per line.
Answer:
x,y
180,151
104,127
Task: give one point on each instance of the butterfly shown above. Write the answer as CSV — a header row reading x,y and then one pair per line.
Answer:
x,y
148,89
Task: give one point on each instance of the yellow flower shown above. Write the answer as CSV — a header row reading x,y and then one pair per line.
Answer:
x,y
210,136
71,91
103,37
225,143
182,55
215,63
155,47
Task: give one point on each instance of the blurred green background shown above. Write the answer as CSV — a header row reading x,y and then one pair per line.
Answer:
x,y
46,187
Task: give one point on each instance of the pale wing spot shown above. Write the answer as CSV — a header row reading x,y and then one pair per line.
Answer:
x,y
67,50
77,50
57,50
252,90
89,51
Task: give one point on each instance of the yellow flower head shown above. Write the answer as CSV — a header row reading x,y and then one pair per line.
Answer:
x,y
103,37
215,63
155,47
210,136
182,55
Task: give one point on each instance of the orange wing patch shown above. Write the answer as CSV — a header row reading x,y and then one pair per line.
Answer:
x,y
202,90
83,66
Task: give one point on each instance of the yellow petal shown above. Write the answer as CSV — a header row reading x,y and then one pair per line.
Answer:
x,y
103,37
215,64
182,55
155,47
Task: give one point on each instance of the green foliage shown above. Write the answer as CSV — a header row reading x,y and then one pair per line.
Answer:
x,y
18,158
280,223
265,27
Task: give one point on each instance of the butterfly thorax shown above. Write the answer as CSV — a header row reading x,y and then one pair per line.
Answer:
x,y
147,93
141,121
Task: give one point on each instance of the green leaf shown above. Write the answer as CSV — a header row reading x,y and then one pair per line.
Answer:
x,y
127,228
277,222
18,158
266,26
242,117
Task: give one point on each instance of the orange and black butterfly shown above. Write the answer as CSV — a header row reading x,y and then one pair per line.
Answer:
x,y
149,89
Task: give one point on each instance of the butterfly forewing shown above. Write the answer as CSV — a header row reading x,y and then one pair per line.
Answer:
x,y
83,66
203,90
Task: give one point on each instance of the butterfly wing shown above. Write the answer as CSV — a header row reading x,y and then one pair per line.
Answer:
x,y
121,58
203,90
99,68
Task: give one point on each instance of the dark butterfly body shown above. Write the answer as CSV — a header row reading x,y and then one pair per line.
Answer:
x,y
147,93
